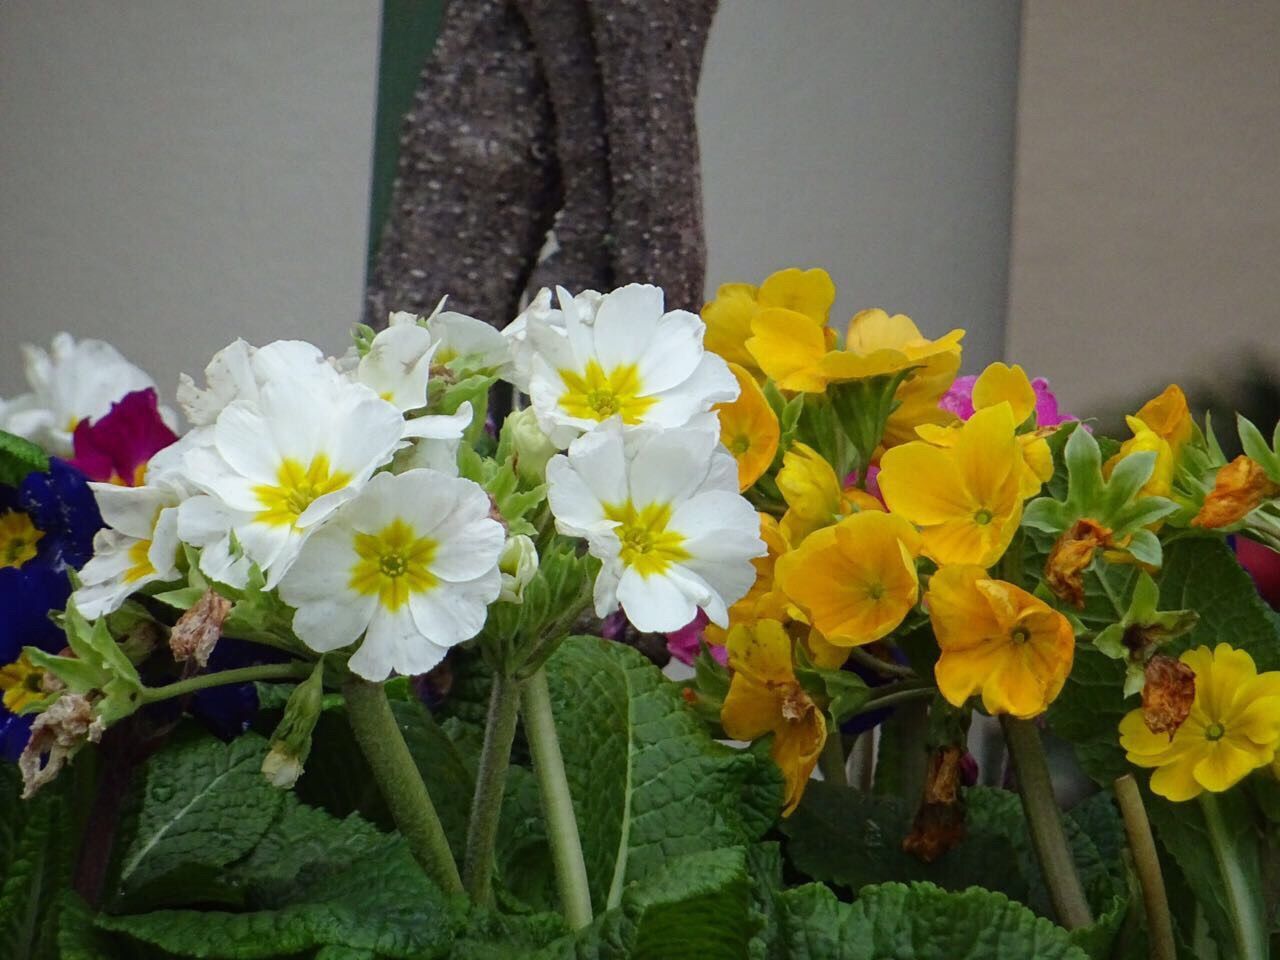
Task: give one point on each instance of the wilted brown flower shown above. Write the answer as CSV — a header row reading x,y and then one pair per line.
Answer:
x,y
1070,558
197,631
939,823
1238,490
57,733
1168,694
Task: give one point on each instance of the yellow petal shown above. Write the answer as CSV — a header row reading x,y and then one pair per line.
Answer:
x,y
1176,781
810,292
796,747
922,483
749,428
987,454
1169,416
789,347
728,318
750,709
762,651
1225,764
1002,383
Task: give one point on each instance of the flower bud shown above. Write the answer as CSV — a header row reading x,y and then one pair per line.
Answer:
x,y
532,447
197,631
518,564
291,741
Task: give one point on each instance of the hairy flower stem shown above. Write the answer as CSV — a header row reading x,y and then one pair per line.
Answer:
x,y
832,761
1146,864
398,778
491,779
1248,923
265,671
557,803
1045,823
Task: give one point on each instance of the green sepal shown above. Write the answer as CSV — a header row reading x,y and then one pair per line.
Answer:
x,y
863,408
844,692
1154,628
19,457
1258,450
362,337
99,667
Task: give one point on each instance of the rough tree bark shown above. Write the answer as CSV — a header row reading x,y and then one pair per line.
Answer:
x,y
575,116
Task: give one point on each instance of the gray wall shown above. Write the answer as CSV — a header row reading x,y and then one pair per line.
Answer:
x,y
176,173
872,137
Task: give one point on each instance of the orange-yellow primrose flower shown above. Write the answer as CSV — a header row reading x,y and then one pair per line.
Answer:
x,y
1145,439
765,697
1238,489
749,428
814,495
1233,727
798,355
967,498
1169,416
857,580
728,317
999,640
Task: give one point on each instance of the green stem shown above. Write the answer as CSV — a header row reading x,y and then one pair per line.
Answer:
x,y
898,695
265,671
832,760
491,778
1146,862
1247,922
557,803
1045,823
862,758
883,667
379,737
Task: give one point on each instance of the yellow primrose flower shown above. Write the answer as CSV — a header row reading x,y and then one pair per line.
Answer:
x,y
814,495
1000,383
998,640
856,580
1239,488
1145,439
21,684
749,428
798,355
765,697
966,498
18,538
728,317
1233,727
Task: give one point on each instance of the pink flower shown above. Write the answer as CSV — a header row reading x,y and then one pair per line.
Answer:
x,y
116,447
959,401
685,644
1263,564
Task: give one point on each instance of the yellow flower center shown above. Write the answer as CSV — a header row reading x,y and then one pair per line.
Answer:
x,y
22,684
1215,731
18,538
139,562
393,564
982,517
1020,634
875,590
296,488
740,445
647,544
597,395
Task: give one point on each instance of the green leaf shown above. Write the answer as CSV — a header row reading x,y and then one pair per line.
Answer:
x,y
37,844
19,457
916,922
647,780
205,804
313,882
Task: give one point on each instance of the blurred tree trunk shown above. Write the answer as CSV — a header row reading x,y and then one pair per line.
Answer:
x,y
550,142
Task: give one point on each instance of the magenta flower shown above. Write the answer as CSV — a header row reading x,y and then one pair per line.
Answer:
x,y
959,401
685,644
116,447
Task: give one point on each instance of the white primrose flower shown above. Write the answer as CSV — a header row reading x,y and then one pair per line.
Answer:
x,y
73,381
275,467
411,563
540,311
138,545
634,361
661,509
239,371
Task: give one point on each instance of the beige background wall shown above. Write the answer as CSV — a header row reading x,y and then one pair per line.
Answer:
x,y
174,174
1146,242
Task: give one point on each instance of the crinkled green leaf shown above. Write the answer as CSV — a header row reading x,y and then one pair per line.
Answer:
x,y
205,805
37,844
19,457
916,922
648,781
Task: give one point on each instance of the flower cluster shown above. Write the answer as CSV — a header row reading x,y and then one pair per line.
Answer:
x,y
966,519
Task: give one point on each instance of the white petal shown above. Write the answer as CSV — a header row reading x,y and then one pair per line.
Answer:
x,y
439,426
673,353
654,604
669,465
710,383
450,613
626,324
394,642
